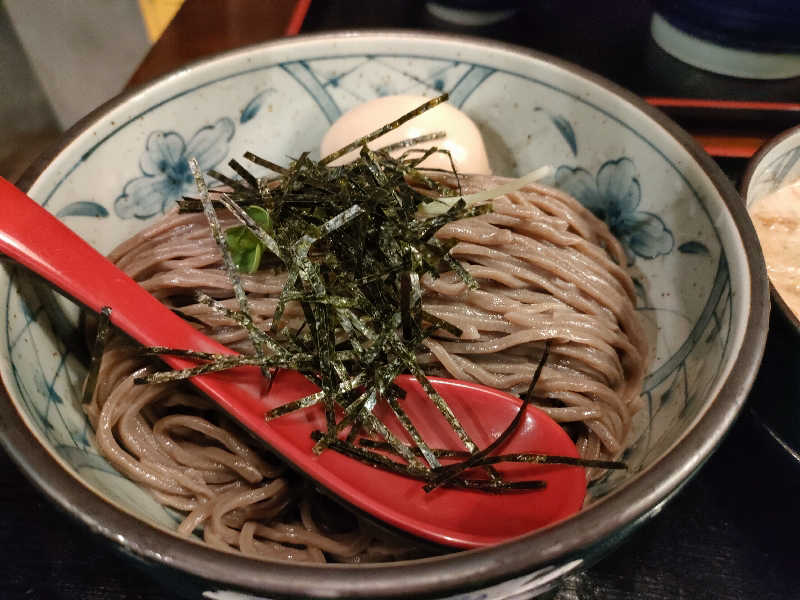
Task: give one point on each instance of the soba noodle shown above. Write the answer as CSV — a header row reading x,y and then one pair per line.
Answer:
x,y
548,271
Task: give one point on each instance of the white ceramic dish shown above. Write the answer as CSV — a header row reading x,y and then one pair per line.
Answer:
x,y
701,281
774,166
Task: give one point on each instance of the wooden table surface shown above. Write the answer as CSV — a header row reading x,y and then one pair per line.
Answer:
x,y
732,533
205,27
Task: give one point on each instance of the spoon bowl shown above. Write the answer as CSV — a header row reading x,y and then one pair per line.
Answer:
x,y
454,517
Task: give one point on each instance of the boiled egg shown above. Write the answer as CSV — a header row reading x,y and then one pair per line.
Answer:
x,y
463,140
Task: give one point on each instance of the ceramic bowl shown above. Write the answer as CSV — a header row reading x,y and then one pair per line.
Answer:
x,y
699,274
774,166
739,38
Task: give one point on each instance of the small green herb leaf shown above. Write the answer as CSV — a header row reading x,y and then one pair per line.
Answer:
x,y
246,249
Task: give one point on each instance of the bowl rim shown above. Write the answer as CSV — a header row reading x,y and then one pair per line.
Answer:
x,y
595,529
747,178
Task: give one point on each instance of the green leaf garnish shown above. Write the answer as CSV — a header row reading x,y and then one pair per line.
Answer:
x,y
246,249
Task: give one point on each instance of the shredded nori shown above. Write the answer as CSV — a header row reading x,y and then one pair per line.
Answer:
x,y
104,329
525,457
355,247
445,474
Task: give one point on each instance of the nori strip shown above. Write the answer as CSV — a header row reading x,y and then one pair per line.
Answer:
x,y
421,139
222,178
231,361
257,336
437,452
451,471
435,323
384,130
364,403
551,459
423,474
265,163
412,431
443,407
525,457
230,267
243,173
104,329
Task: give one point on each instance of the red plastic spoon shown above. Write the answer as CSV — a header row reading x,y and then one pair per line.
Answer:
x,y
462,518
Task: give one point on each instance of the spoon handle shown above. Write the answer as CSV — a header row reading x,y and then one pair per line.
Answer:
x,y
36,239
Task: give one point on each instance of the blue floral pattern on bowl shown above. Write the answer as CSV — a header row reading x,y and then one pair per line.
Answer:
x,y
165,168
613,195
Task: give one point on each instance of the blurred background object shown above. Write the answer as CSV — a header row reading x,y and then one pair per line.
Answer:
x,y
26,119
741,38
157,14
473,13
61,59
82,51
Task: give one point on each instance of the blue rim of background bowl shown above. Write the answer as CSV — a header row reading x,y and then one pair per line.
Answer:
x,y
587,535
